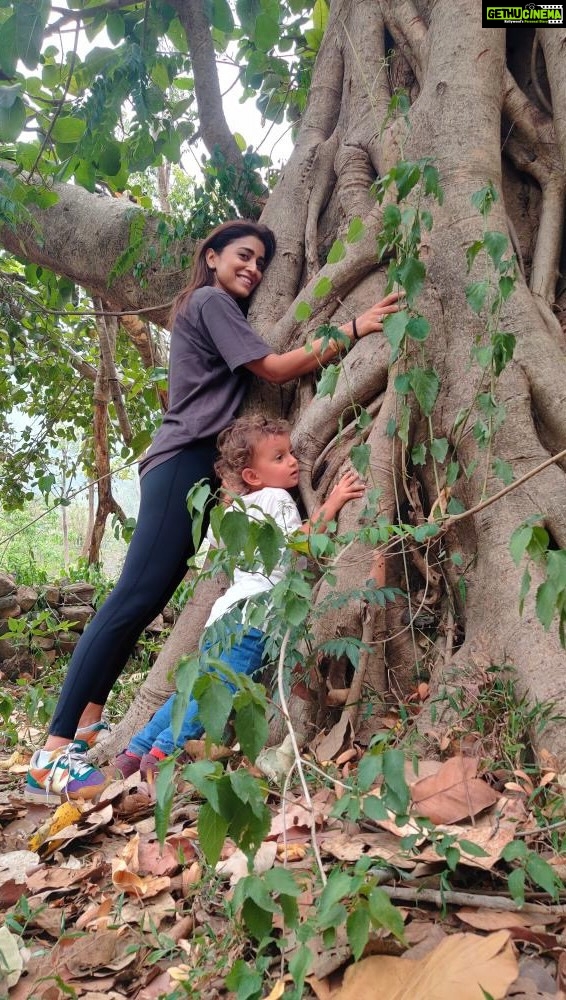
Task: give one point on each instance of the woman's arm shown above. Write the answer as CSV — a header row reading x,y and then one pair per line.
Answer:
x,y
279,368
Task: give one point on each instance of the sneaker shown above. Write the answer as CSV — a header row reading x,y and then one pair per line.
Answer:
x,y
125,764
92,734
63,773
149,764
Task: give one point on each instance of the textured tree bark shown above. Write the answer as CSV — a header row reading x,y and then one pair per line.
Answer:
x,y
481,116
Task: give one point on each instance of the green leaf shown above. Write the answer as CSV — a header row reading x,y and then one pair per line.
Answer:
x,y
220,16
418,328
205,776
546,603
327,381
320,14
472,850
402,383
519,541
9,95
406,175
359,456
234,529
374,808
357,930
472,252
337,252
281,880
384,914
503,470
516,885
12,120
418,454
425,385
496,244
303,312
476,294
368,770
110,159
411,275
322,288
424,531
164,795
356,230
394,327
439,448
396,791
115,27
485,198
299,965
185,676
251,729
540,872
246,981
31,18
212,830
214,707
266,32
68,129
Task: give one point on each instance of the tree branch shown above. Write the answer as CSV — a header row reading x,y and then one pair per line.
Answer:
x,y
214,128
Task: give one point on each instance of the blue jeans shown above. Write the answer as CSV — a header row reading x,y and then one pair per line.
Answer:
x,y
244,657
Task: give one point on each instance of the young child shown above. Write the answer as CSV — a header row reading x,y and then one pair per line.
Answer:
x,y
257,463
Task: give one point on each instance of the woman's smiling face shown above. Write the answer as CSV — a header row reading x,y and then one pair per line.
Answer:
x,y
238,268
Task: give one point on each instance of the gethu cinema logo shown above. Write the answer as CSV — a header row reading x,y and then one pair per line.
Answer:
x,y
525,14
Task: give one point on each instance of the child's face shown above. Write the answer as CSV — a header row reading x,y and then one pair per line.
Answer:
x,y
273,464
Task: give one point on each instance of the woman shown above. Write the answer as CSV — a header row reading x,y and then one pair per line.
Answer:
x,y
213,352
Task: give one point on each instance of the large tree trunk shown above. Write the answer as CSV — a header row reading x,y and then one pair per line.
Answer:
x,y
487,106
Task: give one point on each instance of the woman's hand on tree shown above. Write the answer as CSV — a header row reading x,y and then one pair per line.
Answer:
x,y
371,321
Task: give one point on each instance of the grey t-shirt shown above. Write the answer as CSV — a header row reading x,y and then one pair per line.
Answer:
x,y
210,341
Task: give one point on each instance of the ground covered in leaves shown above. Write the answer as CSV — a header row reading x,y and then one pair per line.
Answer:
x,y
94,906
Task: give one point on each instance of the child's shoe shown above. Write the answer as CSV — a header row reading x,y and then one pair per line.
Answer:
x,y
92,734
149,764
63,773
125,764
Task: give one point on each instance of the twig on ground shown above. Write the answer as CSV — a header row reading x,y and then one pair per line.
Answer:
x,y
456,898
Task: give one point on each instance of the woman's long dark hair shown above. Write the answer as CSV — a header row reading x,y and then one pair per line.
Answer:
x,y
202,275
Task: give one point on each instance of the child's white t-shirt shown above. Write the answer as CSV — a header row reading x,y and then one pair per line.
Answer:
x,y
282,508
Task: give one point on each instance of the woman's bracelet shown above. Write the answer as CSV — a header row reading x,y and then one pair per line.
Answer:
x,y
355,329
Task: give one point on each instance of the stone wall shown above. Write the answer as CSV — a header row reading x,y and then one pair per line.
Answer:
x,y
31,646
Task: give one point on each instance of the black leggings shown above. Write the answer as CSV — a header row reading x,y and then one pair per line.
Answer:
x,y
155,564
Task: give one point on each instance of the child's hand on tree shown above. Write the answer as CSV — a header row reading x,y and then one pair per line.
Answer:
x,y
349,487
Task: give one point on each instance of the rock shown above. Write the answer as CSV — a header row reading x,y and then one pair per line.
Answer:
x,y
168,614
78,614
27,597
44,641
78,593
47,656
7,650
18,664
7,584
66,641
9,607
52,596
156,625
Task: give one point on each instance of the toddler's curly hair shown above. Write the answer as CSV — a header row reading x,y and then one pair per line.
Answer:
x,y
236,446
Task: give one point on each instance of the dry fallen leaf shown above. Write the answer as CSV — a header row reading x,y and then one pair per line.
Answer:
x,y
12,962
128,881
236,866
498,920
464,966
453,793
